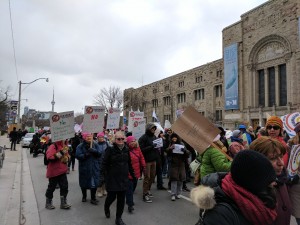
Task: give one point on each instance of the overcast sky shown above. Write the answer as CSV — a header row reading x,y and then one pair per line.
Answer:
x,y
85,45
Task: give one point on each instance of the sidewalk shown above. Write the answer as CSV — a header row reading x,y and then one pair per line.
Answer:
x,y
17,199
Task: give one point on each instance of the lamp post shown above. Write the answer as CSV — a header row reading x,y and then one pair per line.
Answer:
x,y
19,102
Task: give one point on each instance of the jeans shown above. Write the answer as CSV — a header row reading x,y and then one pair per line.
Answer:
x,y
62,181
111,197
176,187
129,193
71,161
149,176
13,144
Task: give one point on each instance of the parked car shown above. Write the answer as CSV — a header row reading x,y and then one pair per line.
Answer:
x,y
25,142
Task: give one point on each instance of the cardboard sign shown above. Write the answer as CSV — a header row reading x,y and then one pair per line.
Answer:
x,y
134,116
93,119
195,129
138,128
62,126
113,118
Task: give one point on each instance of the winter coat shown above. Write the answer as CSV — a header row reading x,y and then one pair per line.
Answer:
x,y
213,161
103,146
137,161
177,168
115,167
89,168
146,144
55,166
220,208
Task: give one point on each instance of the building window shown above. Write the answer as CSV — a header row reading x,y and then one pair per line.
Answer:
x,y
181,84
167,88
218,115
154,90
199,94
271,72
261,87
167,117
282,85
154,103
181,98
218,90
198,79
202,113
219,73
167,100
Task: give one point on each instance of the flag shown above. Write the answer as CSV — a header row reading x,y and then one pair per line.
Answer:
x,y
154,116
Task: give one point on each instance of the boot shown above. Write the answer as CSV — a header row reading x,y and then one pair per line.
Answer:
x,y
49,204
119,221
63,203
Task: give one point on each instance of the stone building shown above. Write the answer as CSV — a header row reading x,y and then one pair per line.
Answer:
x,y
259,74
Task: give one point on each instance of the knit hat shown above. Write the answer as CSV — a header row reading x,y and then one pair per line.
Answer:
x,y
130,139
85,134
252,171
242,126
275,120
236,133
100,134
297,127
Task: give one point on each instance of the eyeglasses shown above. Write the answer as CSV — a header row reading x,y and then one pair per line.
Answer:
x,y
274,127
120,139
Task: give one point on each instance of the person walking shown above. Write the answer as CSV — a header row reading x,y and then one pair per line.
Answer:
x,y
116,165
57,156
139,165
75,141
13,136
150,153
88,154
245,196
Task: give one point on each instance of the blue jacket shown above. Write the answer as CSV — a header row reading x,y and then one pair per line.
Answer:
x,y
89,167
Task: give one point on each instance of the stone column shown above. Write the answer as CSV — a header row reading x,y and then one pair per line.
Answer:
x,y
277,91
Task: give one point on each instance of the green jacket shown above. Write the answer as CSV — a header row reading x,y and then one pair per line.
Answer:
x,y
212,161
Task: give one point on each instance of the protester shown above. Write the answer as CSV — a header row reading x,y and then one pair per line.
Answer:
x,y
88,154
251,132
246,136
57,156
103,144
236,144
114,173
139,165
159,164
150,153
75,141
294,189
243,196
274,151
13,136
177,169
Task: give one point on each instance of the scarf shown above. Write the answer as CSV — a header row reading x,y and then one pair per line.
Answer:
x,y
250,205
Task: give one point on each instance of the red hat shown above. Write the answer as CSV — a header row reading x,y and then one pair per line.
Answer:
x,y
130,139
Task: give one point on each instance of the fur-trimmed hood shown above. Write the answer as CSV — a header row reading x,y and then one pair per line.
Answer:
x,y
203,197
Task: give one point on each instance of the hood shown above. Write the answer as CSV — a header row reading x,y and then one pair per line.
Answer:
x,y
148,128
203,197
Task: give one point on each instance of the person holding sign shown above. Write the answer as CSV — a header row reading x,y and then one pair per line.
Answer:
x,y
88,154
274,150
178,155
57,156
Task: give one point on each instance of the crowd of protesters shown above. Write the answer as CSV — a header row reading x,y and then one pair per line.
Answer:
x,y
241,179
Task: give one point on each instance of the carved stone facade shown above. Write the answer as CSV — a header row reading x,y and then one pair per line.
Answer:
x,y
268,73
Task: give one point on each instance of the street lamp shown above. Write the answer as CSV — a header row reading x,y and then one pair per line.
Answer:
x,y
20,84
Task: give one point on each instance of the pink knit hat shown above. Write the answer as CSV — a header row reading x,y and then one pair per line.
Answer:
x,y
130,139
100,134
85,134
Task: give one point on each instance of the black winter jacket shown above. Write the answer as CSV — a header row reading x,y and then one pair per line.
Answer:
x,y
146,144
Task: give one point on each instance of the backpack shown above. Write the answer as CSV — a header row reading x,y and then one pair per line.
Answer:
x,y
46,161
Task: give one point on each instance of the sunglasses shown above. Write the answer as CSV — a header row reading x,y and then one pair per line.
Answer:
x,y
274,127
120,139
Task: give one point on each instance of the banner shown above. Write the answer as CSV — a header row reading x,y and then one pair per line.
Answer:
x,y
62,126
139,128
155,116
195,129
93,119
289,122
113,118
231,77
134,116
293,165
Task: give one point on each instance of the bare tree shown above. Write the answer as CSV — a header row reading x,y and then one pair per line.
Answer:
x,y
109,97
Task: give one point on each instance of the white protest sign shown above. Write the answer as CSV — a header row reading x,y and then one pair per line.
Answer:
x,y
93,119
158,142
177,149
294,161
62,126
113,118
138,128
134,116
